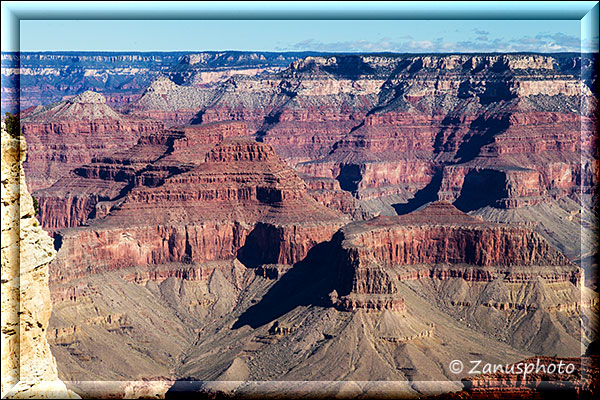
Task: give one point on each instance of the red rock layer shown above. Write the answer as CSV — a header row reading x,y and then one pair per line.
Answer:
x,y
482,246
71,133
390,125
327,191
75,200
91,189
300,114
440,234
441,242
538,157
233,193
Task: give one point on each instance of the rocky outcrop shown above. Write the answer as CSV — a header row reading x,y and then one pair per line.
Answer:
x,y
220,196
368,302
395,132
537,158
328,192
168,242
164,100
28,367
466,266
395,127
92,189
70,133
440,242
372,300
441,234
576,377
35,78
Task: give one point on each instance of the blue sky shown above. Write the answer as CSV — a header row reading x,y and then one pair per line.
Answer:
x,y
294,35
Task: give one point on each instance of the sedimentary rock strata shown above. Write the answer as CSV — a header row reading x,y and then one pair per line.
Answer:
x,y
234,194
221,247
380,135
464,262
90,190
385,126
70,133
34,78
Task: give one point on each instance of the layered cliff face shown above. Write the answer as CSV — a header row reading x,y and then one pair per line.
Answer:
x,y
70,133
213,194
220,251
32,78
174,104
295,101
389,126
213,67
28,367
185,241
469,267
92,189
410,292
454,116
389,298
44,78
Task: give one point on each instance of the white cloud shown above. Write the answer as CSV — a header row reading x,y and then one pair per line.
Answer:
x,y
420,44
544,42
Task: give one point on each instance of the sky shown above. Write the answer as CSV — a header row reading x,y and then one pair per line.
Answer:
x,y
404,36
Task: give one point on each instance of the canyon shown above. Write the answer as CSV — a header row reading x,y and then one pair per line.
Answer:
x,y
369,121
34,78
73,132
341,218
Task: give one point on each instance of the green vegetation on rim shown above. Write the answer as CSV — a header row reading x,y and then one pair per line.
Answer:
x,y
13,126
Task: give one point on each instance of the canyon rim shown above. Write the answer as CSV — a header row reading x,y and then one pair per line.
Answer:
x,y
305,221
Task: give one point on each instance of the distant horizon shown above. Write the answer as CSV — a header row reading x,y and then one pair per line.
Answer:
x,y
292,52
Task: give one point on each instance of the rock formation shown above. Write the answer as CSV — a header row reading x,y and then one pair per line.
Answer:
x,y
28,367
70,133
219,247
388,283
416,128
211,198
454,266
39,78
205,198
468,264
385,135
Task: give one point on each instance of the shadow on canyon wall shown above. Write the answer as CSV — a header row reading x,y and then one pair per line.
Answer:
x,y
349,177
426,195
482,132
261,246
308,282
480,189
